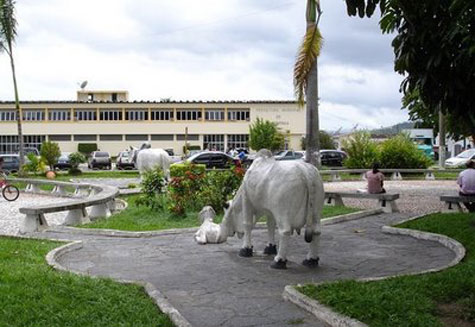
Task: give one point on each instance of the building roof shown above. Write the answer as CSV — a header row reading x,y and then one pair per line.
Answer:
x,y
161,102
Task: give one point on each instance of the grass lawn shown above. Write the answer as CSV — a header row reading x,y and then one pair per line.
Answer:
x,y
445,298
33,294
140,218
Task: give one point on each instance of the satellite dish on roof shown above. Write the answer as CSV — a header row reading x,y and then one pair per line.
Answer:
x,y
83,85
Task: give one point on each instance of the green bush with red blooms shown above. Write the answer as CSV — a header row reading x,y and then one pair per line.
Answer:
x,y
192,187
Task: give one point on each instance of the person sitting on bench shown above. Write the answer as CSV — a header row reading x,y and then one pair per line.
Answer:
x,y
466,182
375,180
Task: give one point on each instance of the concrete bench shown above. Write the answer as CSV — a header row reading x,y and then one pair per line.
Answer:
x,y
101,199
453,202
386,201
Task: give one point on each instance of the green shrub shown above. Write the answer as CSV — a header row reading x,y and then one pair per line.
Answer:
x,y
264,134
35,164
186,181
362,151
87,148
153,182
75,159
50,153
401,152
219,187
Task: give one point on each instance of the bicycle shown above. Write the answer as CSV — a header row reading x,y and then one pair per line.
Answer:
x,y
9,192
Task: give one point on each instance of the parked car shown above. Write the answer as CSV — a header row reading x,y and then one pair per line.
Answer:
x,y
213,159
63,162
124,161
288,155
461,159
99,159
11,163
332,158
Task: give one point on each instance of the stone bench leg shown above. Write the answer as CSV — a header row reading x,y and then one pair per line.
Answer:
x,y
32,188
100,210
451,207
33,223
336,178
396,176
388,206
58,190
363,177
430,176
335,201
76,217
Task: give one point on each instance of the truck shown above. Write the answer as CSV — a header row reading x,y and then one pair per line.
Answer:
x,y
424,139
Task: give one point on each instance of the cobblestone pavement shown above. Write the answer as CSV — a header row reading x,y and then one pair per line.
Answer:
x,y
212,286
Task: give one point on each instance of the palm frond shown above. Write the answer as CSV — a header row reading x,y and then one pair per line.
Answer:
x,y
8,22
308,53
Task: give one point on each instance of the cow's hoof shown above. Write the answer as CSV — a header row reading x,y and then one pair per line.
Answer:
x,y
311,263
281,264
271,249
245,252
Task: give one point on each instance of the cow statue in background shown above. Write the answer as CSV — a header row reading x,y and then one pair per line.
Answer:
x,y
145,158
289,193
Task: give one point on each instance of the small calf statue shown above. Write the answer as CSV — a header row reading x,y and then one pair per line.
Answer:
x,y
209,231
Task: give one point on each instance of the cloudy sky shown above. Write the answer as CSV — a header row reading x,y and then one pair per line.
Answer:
x,y
202,50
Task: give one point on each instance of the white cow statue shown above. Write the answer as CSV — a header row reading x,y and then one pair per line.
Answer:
x,y
289,193
146,159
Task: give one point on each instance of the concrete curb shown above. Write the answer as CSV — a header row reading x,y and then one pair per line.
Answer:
x,y
335,319
146,234
159,299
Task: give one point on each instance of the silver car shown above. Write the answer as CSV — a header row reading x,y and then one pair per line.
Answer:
x,y
99,159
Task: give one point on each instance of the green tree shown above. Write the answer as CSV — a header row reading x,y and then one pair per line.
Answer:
x,y
306,78
75,159
434,49
264,134
50,152
8,33
401,152
362,151
326,141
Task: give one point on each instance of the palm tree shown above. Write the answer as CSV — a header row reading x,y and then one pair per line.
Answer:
x,y
306,78
7,38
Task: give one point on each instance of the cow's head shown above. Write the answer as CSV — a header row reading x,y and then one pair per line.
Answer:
x,y
233,220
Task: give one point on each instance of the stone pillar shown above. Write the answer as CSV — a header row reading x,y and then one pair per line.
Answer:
x,y
76,217
100,210
33,223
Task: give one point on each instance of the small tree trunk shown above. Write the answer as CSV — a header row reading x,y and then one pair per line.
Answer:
x,y
312,153
18,114
442,154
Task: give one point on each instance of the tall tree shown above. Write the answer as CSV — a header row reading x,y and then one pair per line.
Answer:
x,y
8,33
306,78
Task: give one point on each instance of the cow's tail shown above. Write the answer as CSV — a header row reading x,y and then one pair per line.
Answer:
x,y
311,192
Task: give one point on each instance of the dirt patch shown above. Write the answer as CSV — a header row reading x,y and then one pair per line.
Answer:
x,y
452,315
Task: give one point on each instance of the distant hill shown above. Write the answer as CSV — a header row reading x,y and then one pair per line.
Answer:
x,y
392,130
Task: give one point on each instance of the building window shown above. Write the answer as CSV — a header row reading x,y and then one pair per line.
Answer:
x,y
214,114
214,142
190,137
238,141
9,143
136,115
90,97
112,114
188,114
136,137
59,138
114,97
7,115
59,115
85,115
163,114
162,137
238,114
111,137
85,137
33,115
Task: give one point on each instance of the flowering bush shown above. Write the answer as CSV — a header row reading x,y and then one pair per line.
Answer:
x,y
186,181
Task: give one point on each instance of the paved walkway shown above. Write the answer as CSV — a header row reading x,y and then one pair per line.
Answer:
x,y
212,286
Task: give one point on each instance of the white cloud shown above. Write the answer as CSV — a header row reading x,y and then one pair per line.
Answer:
x,y
209,49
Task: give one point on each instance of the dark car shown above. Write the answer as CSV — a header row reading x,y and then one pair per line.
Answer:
x,y
213,159
332,158
124,161
63,162
11,163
